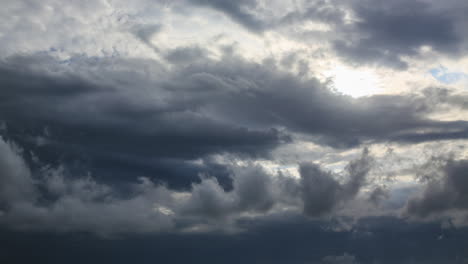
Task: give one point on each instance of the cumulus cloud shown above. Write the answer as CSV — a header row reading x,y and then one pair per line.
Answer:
x,y
212,130
56,202
15,177
444,192
56,199
118,120
321,192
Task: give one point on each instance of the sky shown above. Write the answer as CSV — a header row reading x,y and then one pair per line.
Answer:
x,y
220,131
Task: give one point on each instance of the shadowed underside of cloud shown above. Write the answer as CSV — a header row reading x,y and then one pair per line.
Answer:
x,y
53,199
159,125
386,31
207,107
322,193
159,131
445,192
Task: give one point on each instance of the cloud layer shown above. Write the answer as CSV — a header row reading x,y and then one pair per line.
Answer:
x,y
321,131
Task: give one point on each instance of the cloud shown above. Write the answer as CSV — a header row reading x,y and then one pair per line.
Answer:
x,y
387,31
236,10
112,115
15,178
206,129
57,199
253,191
322,193
56,202
446,190
146,32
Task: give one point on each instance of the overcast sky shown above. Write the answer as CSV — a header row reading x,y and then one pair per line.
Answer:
x,y
222,131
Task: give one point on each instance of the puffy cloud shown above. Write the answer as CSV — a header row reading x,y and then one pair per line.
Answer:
x,y
322,193
121,121
56,202
446,190
16,184
167,118
56,199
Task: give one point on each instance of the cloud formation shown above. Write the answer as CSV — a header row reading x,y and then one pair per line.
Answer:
x,y
445,191
253,131
55,199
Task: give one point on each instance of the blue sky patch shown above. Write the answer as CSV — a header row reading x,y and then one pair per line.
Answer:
x,y
443,75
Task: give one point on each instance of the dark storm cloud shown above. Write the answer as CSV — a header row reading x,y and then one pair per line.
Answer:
x,y
321,192
199,109
128,118
52,198
446,190
187,158
388,30
155,136
260,95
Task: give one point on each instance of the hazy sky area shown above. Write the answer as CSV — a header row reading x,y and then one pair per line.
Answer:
x,y
223,131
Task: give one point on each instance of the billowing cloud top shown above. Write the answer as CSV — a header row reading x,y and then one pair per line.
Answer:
x,y
188,127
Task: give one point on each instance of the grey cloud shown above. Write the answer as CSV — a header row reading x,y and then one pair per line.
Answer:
x,y
16,184
185,55
153,128
382,33
253,191
56,200
446,190
322,193
75,204
377,195
259,95
53,199
202,108
237,10
259,19
121,122
159,151
437,96
386,31
146,32
318,11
